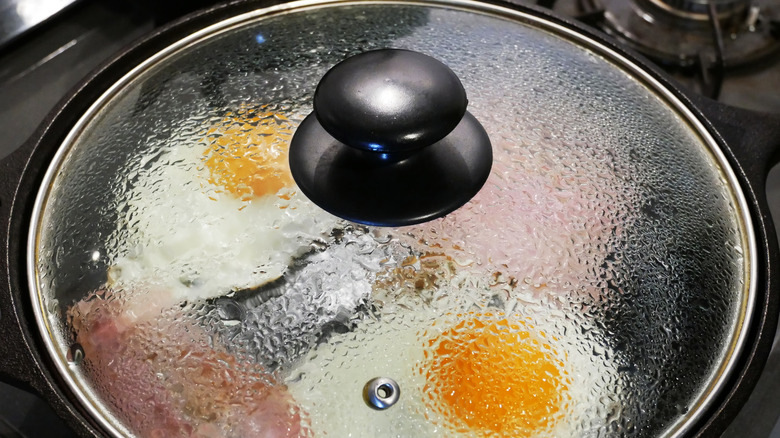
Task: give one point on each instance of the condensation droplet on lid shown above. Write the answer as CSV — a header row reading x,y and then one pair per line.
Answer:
x,y
230,311
53,305
75,354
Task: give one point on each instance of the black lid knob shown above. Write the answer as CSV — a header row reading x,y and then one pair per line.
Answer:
x,y
390,141
389,101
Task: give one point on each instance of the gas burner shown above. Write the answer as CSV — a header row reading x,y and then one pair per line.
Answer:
x,y
691,34
727,10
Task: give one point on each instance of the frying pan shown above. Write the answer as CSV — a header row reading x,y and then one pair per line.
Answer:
x,y
748,142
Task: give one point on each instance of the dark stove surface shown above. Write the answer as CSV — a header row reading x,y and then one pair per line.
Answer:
x,y
641,26
18,17
38,68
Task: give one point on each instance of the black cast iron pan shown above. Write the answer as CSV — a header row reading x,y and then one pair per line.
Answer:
x,y
749,140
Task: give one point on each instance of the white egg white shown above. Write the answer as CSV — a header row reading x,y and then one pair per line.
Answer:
x,y
190,237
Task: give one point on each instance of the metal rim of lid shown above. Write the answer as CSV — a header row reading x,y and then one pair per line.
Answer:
x,y
90,402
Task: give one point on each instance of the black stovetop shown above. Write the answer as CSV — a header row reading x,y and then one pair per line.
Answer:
x,y
38,67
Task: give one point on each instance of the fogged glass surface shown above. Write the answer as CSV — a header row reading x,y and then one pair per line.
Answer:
x,y
590,289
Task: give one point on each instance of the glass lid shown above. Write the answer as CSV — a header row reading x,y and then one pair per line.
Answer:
x,y
599,283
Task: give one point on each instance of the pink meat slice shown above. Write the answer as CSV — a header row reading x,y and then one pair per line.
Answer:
x,y
545,220
166,377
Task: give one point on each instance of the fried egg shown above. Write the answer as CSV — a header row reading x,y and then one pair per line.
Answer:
x,y
495,377
218,213
470,374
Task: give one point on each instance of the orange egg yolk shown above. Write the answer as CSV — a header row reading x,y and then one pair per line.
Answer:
x,y
494,378
247,153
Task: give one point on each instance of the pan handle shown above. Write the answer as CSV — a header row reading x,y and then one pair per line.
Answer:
x,y
17,363
752,140
22,363
753,137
